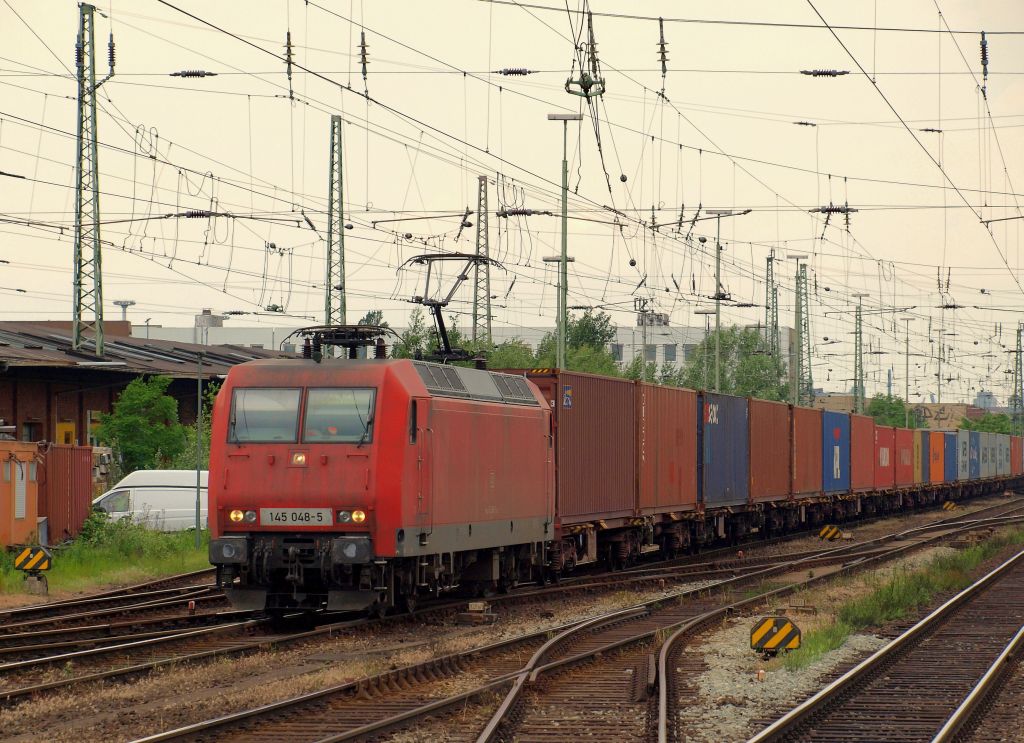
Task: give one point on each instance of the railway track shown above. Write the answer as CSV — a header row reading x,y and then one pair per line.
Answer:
x,y
517,688
163,589
942,658
32,651
992,710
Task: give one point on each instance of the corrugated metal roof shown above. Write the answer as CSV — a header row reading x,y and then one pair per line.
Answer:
x,y
40,345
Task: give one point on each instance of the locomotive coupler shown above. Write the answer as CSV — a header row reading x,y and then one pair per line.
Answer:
x,y
294,566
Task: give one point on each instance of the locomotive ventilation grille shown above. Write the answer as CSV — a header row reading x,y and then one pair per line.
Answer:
x,y
476,384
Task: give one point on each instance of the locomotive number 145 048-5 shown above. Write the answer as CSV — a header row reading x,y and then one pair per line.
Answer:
x,y
296,517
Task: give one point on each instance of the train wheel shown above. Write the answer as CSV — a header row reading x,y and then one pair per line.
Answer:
x,y
408,602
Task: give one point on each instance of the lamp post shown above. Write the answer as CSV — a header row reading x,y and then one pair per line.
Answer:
x,y
718,214
563,271
707,329
906,375
124,304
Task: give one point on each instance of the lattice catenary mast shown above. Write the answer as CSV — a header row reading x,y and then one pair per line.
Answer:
x,y
1016,403
858,358
88,274
804,379
771,308
334,288
482,269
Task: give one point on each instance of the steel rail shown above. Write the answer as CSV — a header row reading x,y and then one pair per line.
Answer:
x,y
691,624
670,644
137,590
987,686
828,695
529,669
385,680
200,595
356,685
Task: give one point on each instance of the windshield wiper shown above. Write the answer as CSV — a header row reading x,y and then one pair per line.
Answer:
x,y
366,432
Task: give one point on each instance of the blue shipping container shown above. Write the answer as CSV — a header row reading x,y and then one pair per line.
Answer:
x,y
925,455
974,468
835,452
949,458
724,431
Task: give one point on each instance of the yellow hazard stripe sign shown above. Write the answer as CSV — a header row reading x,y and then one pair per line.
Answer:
x,y
772,634
33,558
829,533
949,506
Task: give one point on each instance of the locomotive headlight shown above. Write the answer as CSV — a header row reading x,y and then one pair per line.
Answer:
x,y
359,516
236,515
299,459
250,517
344,517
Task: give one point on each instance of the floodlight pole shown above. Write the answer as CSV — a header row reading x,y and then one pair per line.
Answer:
x,y
563,263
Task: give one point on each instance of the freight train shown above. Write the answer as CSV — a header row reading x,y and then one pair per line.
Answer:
x,y
369,484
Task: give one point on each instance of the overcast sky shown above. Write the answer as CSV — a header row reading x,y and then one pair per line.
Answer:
x,y
723,136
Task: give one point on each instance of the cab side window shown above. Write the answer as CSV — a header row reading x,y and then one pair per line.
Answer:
x,y
116,502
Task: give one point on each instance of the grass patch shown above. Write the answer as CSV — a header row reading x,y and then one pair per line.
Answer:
x,y
114,552
896,596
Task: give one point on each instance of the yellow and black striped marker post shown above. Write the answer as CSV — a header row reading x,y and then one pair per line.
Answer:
x,y
829,533
949,506
33,559
772,634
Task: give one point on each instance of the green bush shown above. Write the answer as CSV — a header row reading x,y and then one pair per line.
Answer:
x,y
115,552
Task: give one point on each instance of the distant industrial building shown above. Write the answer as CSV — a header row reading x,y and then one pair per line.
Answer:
x,y
657,341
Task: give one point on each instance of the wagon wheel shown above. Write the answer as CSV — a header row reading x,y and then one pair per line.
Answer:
x,y
408,602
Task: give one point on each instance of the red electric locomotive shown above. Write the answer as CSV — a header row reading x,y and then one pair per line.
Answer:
x,y
364,484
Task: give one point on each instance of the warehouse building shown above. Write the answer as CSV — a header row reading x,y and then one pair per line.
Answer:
x,y
51,392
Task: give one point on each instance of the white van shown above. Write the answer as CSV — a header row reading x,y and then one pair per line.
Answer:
x,y
161,499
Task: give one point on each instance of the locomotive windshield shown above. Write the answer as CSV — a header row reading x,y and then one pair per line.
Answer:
x,y
339,415
264,415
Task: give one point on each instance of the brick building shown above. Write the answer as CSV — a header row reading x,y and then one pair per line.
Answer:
x,y
50,392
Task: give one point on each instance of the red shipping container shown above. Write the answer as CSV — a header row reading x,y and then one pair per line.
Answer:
x,y
862,452
65,490
936,456
595,443
667,448
1017,455
770,455
903,469
885,457
806,445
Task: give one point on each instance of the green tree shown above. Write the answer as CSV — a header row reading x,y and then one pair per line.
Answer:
x,y
586,345
747,369
989,423
589,329
414,339
143,430
889,411
186,459
374,317
512,354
